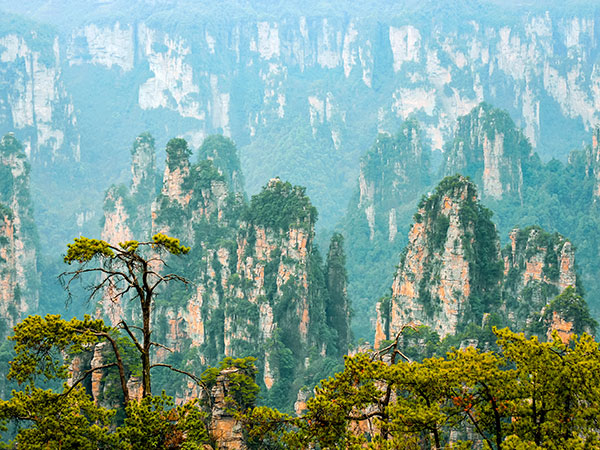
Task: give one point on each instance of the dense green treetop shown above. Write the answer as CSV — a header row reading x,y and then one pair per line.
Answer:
x,y
178,153
280,206
572,307
528,395
224,155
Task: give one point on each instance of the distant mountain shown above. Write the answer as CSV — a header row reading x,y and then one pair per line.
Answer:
x,y
302,96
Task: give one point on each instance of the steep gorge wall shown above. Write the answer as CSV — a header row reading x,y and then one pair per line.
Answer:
x,y
538,266
453,274
19,277
253,78
393,174
258,284
449,274
490,148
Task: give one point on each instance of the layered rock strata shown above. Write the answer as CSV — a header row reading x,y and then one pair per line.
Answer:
x,y
259,284
19,277
537,267
489,148
439,282
452,272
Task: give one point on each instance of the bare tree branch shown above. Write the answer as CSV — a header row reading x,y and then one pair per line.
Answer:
x,y
197,380
85,375
124,325
162,346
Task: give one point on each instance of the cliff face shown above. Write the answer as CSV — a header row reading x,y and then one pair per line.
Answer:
x,y
282,85
9,299
452,273
126,211
35,102
226,429
394,172
593,162
259,285
338,308
19,278
537,267
489,148
449,274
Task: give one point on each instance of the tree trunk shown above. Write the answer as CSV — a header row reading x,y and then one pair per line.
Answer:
x,y
146,388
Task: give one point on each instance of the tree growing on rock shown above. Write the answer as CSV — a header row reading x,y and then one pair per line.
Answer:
x,y
129,270
529,395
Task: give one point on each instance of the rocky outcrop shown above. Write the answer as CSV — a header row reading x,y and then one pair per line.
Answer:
x,y
259,285
394,173
394,170
537,267
19,277
489,148
103,384
449,273
567,315
452,273
126,214
225,428
223,154
593,162
10,301
328,81
35,103
338,307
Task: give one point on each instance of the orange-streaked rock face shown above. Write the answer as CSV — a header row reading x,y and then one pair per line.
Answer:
x,y
448,287
224,428
19,277
116,227
173,184
537,267
242,267
7,268
564,328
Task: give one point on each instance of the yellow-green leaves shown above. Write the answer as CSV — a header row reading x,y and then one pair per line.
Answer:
x,y
530,395
84,250
57,421
154,423
129,246
41,343
172,245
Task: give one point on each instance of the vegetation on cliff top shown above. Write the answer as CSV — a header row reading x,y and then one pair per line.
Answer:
x,y
527,395
280,206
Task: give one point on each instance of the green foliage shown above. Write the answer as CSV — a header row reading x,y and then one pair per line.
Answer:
x,y
336,279
172,245
178,153
526,395
573,308
224,155
280,206
56,420
41,342
10,146
397,170
240,374
84,250
154,423
5,212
